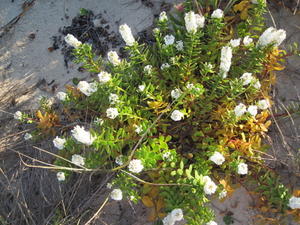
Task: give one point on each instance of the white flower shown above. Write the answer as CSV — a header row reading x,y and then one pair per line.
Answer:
x,y
246,78
226,55
138,129
176,93
61,96
271,36
119,160
177,214
206,179
193,22
18,115
235,42
104,77
172,217
210,187
252,109
116,195
169,220
263,104
27,136
141,87
156,30
190,86
87,88
113,58
163,16
135,166
112,113
200,20
294,203
217,14
82,136
148,69
113,98
164,66
169,39
242,168
217,158
109,185
126,34
60,176
71,40
78,160
257,84
98,121
179,45
59,142
211,223
222,194
247,40
240,109
166,155
177,115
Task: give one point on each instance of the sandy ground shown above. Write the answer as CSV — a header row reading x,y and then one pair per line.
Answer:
x,y
25,62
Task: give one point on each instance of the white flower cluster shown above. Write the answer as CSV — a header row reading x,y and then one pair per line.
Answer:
x,y
176,115
217,158
217,14
226,56
263,104
119,160
172,217
116,195
242,168
126,34
113,57
165,66
135,166
247,41
148,69
169,39
138,128
271,36
87,88
78,160
59,143
176,93
246,78
209,186
113,98
141,87
193,22
294,202
179,45
241,109
211,223
18,115
60,176
235,42
104,77
163,16
72,41
61,96
112,113
82,136
222,194
27,136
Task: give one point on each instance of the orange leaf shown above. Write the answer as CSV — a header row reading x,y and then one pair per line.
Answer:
x,y
147,201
